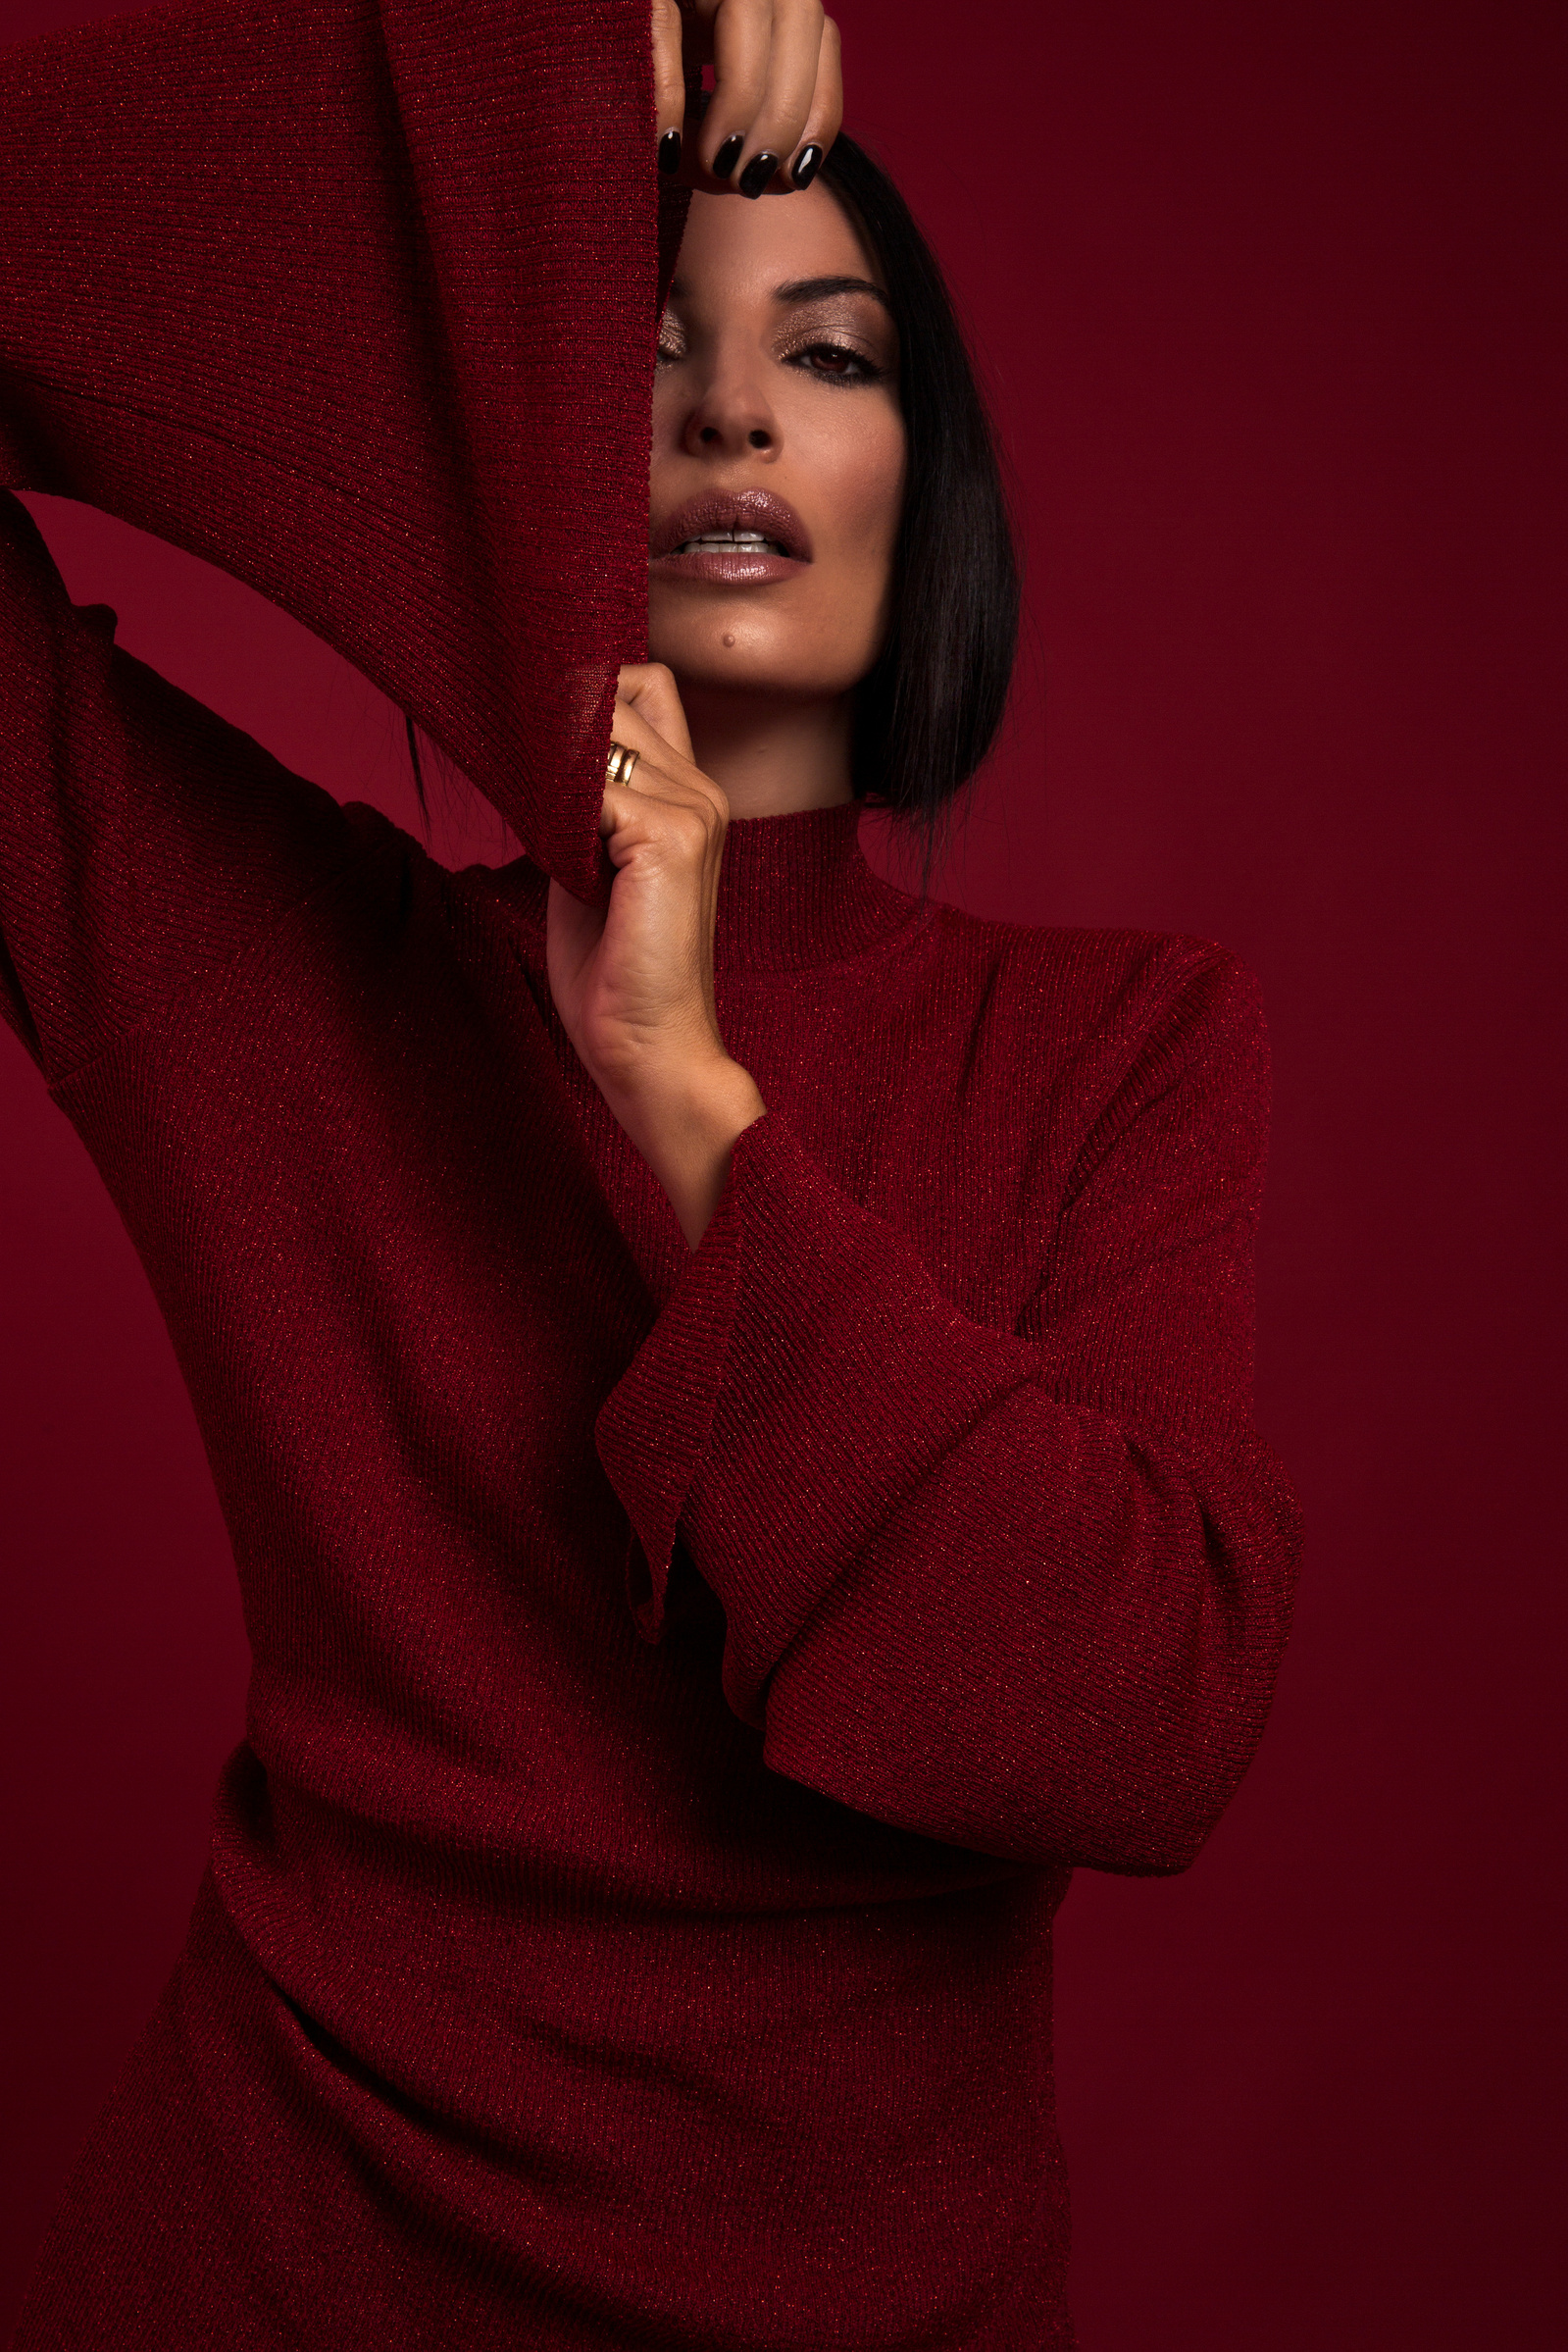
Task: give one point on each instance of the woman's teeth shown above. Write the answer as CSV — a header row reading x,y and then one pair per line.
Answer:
x,y
723,542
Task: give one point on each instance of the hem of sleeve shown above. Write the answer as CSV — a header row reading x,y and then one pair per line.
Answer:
x,y
743,1416
654,1427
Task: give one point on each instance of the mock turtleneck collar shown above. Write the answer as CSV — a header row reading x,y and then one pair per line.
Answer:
x,y
795,891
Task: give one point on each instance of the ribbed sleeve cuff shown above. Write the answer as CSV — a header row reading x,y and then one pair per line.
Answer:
x,y
805,1376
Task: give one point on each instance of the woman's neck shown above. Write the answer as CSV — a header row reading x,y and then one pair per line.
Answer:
x,y
771,756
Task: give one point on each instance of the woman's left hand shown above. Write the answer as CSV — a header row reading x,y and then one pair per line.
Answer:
x,y
778,93
634,982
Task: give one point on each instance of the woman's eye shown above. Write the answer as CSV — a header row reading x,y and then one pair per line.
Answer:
x,y
838,363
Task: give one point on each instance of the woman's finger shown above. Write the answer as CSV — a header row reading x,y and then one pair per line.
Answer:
x,y
668,83
778,128
655,805
685,834
650,690
824,117
778,96
742,46
663,772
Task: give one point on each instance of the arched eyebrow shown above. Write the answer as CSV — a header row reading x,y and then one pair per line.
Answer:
x,y
817,289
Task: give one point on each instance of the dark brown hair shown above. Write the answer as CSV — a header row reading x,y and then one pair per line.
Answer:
x,y
928,712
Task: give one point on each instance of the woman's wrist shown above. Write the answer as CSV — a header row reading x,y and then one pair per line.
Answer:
x,y
687,1131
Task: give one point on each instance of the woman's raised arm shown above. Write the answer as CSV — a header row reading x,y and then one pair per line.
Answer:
x,y
359,301
304,291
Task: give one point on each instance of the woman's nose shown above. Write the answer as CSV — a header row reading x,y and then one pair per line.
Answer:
x,y
730,417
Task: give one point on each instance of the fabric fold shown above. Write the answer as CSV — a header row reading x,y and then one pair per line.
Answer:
x,y
361,309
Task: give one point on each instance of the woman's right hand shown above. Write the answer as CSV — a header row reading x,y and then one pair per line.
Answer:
x,y
777,95
633,980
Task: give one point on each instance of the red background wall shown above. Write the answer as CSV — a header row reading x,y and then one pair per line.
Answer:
x,y
1271,303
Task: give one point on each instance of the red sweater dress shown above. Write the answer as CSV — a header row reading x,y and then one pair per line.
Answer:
x,y
682,1681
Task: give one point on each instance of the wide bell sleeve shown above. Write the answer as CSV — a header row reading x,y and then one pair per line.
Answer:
x,y
1023,1591
357,299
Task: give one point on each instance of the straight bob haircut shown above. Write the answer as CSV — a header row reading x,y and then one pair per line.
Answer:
x,y
927,713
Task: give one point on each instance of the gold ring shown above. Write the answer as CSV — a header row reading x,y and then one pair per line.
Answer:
x,y
619,764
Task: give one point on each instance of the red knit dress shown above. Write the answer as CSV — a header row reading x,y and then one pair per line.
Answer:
x,y
683,1682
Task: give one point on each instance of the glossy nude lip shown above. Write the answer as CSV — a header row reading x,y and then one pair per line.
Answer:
x,y
752,510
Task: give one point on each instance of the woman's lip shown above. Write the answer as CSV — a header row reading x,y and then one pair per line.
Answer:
x,y
733,567
749,510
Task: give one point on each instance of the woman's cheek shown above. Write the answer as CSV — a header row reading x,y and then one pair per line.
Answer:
x,y
867,493
861,465
867,505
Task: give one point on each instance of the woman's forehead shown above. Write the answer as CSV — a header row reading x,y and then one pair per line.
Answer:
x,y
734,250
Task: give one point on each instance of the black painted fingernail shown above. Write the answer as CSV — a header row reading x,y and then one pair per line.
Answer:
x,y
670,153
757,174
729,155
806,166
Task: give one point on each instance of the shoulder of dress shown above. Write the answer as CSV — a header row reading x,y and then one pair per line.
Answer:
x,y
1092,978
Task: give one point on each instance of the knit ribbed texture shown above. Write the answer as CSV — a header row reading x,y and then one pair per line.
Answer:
x,y
682,1681
358,302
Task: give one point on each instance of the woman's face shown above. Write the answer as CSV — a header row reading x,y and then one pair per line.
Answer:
x,y
778,453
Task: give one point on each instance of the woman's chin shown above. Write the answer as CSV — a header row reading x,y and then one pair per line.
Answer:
x,y
704,679
731,657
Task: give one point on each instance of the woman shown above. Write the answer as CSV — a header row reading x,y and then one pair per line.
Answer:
x,y
729,1384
